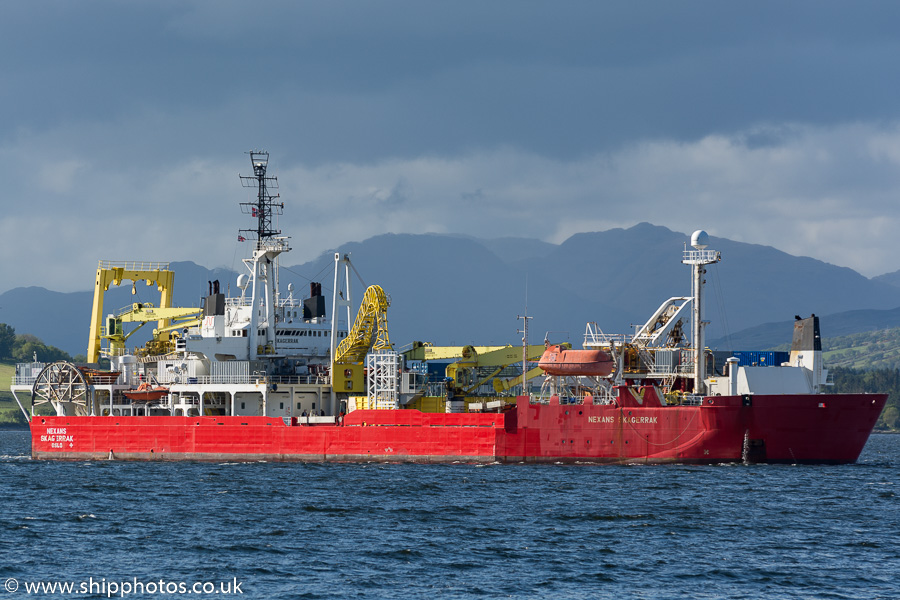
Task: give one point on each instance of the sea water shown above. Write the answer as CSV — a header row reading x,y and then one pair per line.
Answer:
x,y
291,530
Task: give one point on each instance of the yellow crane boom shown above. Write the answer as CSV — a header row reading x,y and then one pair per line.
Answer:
x,y
369,331
144,313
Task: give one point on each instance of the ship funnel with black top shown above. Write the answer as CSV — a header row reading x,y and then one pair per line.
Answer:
x,y
806,349
314,306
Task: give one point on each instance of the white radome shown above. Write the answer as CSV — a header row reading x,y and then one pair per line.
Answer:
x,y
700,239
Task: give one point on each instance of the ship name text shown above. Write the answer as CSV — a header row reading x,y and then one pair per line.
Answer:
x,y
617,419
56,436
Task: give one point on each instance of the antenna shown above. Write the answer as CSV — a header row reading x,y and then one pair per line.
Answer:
x,y
265,205
524,332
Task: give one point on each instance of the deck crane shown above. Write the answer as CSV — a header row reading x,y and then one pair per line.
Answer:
x,y
369,332
114,273
470,370
143,313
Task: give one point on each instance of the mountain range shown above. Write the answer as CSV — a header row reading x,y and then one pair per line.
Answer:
x,y
454,289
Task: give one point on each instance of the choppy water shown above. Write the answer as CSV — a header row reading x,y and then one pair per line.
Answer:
x,y
455,531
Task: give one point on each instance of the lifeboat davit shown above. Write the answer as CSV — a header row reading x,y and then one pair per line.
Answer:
x,y
559,361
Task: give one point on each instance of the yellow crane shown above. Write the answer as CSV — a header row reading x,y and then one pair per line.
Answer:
x,y
114,273
144,313
462,373
369,332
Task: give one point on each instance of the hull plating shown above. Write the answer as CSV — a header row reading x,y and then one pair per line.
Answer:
x,y
795,429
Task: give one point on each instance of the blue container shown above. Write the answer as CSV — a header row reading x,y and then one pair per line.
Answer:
x,y
761,358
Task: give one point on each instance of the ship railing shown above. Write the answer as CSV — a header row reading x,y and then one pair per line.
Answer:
x,y
657,370
134,265
130,308
594,337
275,244
312,379
692,400
105,379
241,301
254,379
289,302
701,257
116,352
27,373
604,396
661,371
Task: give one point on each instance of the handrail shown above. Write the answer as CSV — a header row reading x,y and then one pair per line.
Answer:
x,y
134,265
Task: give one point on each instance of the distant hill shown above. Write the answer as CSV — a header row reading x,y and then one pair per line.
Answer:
x,y
636,269
515,250
770,335
889,278
459,290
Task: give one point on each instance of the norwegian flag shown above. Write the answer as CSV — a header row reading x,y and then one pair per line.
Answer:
x,y
242,238
253,212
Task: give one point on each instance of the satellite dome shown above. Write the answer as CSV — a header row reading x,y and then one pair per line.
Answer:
x,y
242,281
700,239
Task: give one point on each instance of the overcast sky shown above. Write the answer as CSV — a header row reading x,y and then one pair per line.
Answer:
x,y
125,125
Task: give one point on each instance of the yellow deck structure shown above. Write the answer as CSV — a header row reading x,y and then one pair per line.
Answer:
x,y
114,273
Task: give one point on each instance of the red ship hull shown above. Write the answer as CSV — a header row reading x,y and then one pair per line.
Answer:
x,y
784,428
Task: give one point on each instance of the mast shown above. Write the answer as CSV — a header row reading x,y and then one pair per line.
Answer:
x,y
524,332
269,244
698,258
265,205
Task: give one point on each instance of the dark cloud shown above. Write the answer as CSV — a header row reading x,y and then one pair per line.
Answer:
x,y
357,81
776,121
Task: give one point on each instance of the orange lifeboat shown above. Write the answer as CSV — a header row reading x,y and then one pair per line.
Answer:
x,y
558,361
146,392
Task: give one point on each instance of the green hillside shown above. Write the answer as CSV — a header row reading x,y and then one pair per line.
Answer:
x,y
869,350
9,410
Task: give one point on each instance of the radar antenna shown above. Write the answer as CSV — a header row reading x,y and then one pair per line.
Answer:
x,y
265,205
